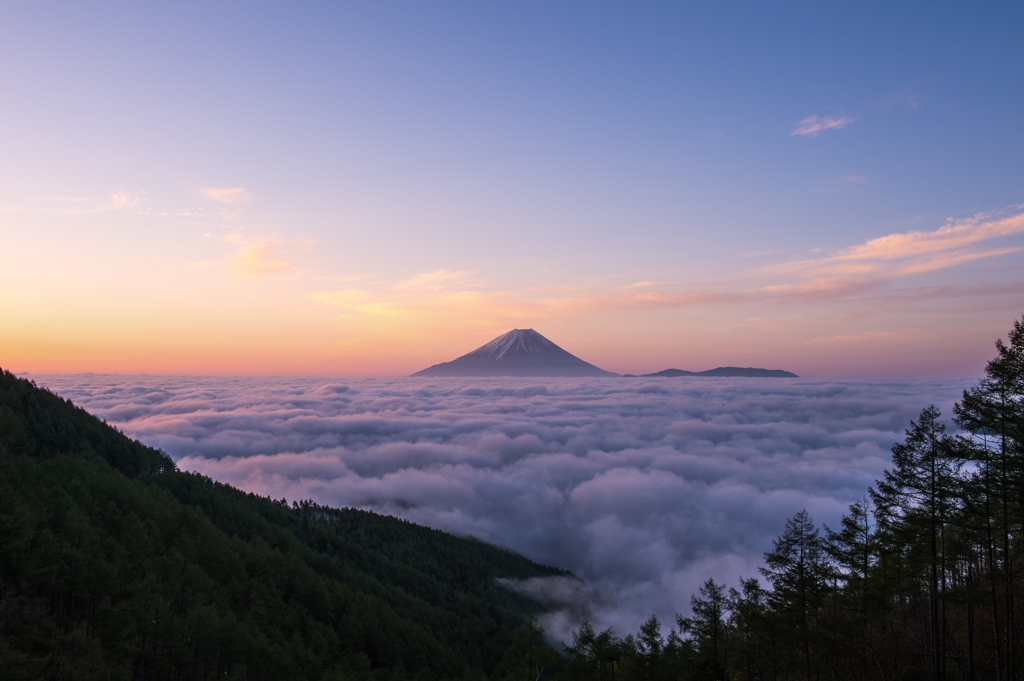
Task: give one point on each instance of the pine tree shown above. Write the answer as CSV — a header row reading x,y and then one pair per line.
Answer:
x,y
992,413
797,569
748,619
528,657
853,551
707,626
921,489
649,645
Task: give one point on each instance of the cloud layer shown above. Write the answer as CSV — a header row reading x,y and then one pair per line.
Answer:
x,y
641,487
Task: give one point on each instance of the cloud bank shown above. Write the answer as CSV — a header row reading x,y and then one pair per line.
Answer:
x,y
642,487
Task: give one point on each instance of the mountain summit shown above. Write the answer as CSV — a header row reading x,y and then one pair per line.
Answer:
x,y
520,352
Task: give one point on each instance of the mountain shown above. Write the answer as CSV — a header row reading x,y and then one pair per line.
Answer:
x,y
726,372
520,352
116,565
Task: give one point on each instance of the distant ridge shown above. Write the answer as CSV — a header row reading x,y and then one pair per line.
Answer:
x,y
520,352
725,372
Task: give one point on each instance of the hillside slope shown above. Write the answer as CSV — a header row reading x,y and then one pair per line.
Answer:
x,y
114,565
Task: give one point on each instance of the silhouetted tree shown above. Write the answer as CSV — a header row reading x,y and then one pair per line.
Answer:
x,y
707,627
797,570
921,490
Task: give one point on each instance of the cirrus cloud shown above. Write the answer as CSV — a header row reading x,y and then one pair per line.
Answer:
x,y
227,194
258,257
812,125
79,205
875,267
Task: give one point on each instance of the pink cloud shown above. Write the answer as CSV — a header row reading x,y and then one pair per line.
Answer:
x,y
227,194
825,277
812,125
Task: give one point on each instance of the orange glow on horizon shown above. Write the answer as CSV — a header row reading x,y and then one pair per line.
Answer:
x,y
862,310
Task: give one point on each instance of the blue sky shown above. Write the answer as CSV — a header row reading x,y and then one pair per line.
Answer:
x,y
234,161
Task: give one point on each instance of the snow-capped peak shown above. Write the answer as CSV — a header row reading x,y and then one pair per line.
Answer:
x,y
520,352
517,342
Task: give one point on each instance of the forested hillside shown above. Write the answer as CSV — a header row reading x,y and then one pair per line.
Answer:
x,y
921,580
114,565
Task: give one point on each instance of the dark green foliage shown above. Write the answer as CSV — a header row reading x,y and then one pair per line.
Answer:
x,y
47,425
706,628
797,571
593,655
529,656
114,565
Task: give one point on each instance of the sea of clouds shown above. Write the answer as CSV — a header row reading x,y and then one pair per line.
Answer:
x,y
643,488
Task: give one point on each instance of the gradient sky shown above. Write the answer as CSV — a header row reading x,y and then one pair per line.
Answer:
x,y
252,188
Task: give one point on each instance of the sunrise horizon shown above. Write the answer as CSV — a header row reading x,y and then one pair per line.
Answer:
x,y
511,341
317,225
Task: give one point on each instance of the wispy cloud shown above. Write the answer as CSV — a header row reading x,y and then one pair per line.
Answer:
x,y
852,338
227,194
904,101
823,277
812,125
262,256
902,254
79,205
431,281
119,201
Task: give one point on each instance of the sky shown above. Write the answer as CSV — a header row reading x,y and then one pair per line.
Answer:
x,y
642,488
351,190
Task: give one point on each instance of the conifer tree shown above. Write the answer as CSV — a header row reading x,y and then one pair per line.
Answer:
x,y
707,627
749,620
528,657
921,489
583,663
649,644
797,569
992,413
